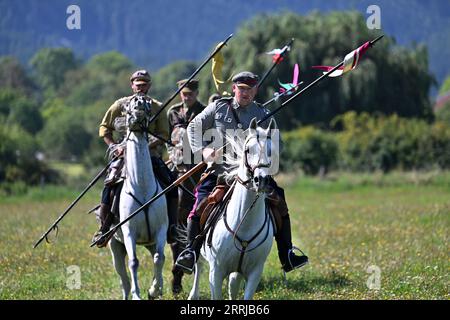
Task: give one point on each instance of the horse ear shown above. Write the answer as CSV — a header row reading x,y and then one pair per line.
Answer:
x,y
273,124
253,124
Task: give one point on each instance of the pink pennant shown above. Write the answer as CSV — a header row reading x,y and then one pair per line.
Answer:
x,y
289,86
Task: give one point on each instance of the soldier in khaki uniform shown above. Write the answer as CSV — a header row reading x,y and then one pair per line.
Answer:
x,y
113,121
179,117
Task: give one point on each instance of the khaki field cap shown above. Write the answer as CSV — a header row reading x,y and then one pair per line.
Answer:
x,y
245,79
190,87
141,77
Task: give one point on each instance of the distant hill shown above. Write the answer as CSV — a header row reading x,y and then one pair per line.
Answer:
x,y
157,32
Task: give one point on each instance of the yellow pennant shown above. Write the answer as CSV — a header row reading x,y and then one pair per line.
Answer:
x,y
217,73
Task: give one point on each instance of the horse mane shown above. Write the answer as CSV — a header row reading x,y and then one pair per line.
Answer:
x,y
233,158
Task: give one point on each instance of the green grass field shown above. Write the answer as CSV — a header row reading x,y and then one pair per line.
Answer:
x,y
398,223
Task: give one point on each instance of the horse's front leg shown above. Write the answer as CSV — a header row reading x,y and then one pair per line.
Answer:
x,y
133,262
156,290
119,253
194,294
234,284
252,282
215,282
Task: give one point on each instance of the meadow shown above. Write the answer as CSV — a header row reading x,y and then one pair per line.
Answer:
x,y
368,236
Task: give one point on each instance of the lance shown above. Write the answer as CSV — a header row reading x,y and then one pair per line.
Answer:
x,y
181,179
175,94
202,164
178,182
277,61
170,143
315,82
54,226
179,90
190,78
278,96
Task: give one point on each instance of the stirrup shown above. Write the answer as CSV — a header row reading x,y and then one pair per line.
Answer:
x,y
99,235
290,262
185,268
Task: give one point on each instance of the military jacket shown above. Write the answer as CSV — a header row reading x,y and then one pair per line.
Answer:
x,y
219,117
114,121
179,117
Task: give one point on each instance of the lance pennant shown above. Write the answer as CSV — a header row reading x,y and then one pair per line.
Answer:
x,y
351,61
288,88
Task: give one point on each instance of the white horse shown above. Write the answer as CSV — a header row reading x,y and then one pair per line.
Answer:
x,y
243,237
148,228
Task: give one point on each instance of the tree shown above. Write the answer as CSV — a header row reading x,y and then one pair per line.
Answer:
x,y
445,86
442,107
164,82
389,79
13,75
17,109
50,66
111,62
104,76
18,157
65,136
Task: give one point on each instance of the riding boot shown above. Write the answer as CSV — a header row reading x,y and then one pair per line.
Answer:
x,y
172,212
288,259
189,257
106,220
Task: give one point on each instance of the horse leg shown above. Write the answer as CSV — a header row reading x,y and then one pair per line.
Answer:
x,y
158,260
133,262
234,283
194,294
215,283
119,253
252,283
177,273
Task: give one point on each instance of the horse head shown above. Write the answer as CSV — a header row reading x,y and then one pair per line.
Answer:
x,y
259,156
138,113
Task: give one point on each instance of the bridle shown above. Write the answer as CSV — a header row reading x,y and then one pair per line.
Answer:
x,y
251,169
245,243
144,122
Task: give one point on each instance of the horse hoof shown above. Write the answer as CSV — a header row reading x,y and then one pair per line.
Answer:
x,y
177,288
154,293
176,283
193,297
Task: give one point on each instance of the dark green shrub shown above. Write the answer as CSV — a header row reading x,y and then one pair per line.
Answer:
x,y
309,149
